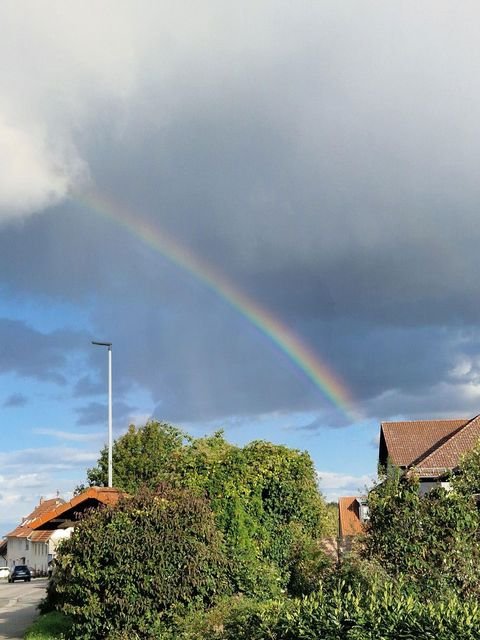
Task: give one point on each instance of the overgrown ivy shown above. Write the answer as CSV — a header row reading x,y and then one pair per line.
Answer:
x,y
264,496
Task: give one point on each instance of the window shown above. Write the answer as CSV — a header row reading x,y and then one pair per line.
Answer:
x,y
27,544
363,510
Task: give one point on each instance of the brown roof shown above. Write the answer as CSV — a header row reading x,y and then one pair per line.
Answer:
x,y
349,523
432,447
68,511
405,443
448,454
25,528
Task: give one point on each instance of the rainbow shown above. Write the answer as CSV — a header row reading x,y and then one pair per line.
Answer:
x,y
297,351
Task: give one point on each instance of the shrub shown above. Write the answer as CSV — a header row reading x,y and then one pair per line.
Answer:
x,y
124,567
431,539
383,611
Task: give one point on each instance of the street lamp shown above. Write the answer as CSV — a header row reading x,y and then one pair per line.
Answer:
x,y
109,346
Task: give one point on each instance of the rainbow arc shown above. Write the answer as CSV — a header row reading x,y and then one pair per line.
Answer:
x,y
301,354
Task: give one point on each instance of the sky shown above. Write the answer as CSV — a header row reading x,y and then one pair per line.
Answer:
x,y
269,208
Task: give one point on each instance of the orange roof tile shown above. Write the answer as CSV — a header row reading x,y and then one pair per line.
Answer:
x,y
408,442
25,528
349,523
103,495
448,454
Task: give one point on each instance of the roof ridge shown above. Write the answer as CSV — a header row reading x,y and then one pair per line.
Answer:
x,y
467,420
89,493
447,441
438,445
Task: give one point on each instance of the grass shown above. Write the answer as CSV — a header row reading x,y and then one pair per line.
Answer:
x,y
51,626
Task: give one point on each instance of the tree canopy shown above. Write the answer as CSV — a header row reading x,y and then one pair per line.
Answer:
x,y
140,457
264,496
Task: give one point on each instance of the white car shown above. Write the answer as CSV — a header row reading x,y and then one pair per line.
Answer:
x,y
4,572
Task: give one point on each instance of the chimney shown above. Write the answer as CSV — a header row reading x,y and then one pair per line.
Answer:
x,y
41,499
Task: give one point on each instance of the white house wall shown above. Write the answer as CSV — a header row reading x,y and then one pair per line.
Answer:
x,y
35,555
17,552
38,557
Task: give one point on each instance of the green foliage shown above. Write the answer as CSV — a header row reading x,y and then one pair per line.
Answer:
x,y
266,501
264,496
331,520
308,565
359,573
431,539
155,566
125,567
467,479
139,457
51,626
379,611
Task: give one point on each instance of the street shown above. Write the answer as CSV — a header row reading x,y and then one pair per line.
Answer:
x,y
18,606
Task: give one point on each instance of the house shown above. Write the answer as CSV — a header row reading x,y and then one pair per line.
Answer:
x,y
433,448
35,549
352,517
35,540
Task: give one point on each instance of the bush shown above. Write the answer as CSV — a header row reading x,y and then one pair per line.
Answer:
x,y
432,540
264,496
124,567
383,611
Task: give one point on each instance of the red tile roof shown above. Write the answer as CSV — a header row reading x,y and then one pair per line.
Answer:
x,y
349,523
407,442
53,509
91,496
25,528
432,447
447,455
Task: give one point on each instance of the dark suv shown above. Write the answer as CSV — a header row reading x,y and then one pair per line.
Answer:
x,y
20,572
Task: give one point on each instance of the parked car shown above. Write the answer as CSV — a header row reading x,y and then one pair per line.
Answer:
x,y
4,572
20,572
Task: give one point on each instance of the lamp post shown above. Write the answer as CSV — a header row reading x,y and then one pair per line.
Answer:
x,y
109,346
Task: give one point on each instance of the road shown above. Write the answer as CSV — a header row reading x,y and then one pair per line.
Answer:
x,y
18,606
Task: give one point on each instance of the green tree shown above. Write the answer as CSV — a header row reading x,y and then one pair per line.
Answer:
x,y
140,457
466,480
431,539
264,496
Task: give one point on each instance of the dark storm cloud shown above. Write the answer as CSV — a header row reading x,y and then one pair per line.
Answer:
x,y
331,173
27,352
